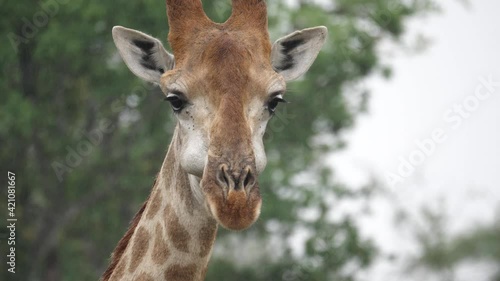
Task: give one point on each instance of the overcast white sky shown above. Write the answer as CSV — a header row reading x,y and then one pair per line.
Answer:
x,y
464,169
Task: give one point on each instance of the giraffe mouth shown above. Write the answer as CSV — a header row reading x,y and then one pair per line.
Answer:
x,y
233,198
237,211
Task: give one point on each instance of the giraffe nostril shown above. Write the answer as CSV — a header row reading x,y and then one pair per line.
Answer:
x,y
224,178
247,179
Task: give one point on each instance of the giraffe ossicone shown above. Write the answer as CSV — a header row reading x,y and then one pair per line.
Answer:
x,y
224,82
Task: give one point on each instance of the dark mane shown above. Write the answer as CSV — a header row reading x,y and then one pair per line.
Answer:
x,y
122,245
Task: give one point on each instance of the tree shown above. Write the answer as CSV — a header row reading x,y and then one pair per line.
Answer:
x,y
85,139
442,253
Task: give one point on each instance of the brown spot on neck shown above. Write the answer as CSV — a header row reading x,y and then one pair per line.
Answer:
x,y
160,250
176,232
154,205
140,248
207,237
181,273
144,277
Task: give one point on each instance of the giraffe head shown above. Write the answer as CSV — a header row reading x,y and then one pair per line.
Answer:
x,y
224,82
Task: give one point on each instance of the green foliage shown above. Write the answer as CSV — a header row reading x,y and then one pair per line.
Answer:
x,y
86,138
442,252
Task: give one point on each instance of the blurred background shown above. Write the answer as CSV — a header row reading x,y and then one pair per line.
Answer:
x,y
383,166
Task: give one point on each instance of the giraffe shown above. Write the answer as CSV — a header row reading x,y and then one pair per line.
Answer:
x,y
224,82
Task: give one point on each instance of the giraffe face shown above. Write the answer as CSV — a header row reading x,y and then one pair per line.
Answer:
x,y
223,94
224,84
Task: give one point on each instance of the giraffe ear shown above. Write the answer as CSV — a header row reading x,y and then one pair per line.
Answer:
x,y
144,55
292,55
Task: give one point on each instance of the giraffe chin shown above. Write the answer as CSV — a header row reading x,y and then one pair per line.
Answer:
x,y
236,210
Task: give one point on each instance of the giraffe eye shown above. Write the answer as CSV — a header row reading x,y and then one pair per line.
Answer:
x,y
177,100
272,104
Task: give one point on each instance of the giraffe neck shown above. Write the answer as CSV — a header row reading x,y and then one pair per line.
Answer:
x,y
173,236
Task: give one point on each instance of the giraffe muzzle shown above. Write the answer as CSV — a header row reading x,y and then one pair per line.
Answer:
x,y
232,193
